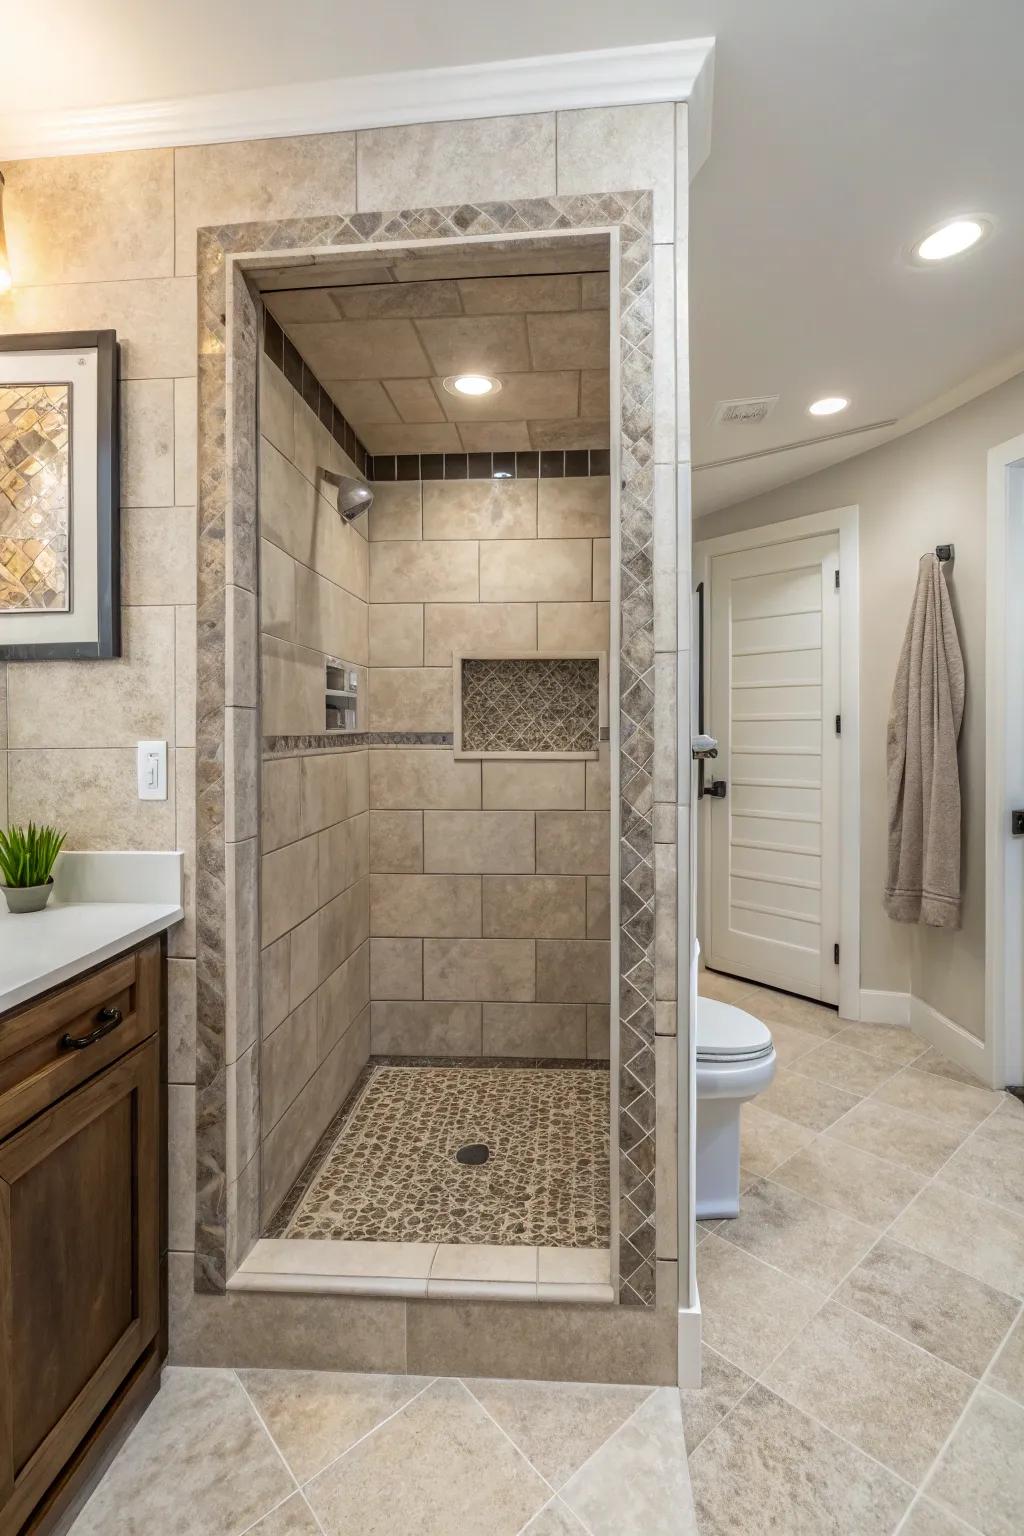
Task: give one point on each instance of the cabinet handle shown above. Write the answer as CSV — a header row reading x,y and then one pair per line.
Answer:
x,y
109,1018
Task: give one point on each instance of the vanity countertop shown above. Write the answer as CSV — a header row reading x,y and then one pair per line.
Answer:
x,y
102,905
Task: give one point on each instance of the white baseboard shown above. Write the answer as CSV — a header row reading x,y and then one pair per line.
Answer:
x,y
689,1346
952,1040
884,1007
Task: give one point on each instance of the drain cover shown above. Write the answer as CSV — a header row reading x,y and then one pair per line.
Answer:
x,y
473,1154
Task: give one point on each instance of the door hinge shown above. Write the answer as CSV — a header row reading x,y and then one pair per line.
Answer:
x,y
835,954
837,581
839,725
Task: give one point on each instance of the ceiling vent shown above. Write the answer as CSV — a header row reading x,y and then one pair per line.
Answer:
x,y
744,412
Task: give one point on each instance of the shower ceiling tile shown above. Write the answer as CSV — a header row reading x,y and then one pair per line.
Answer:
x,y
476,344
423,438
516,295
569,434
398,300
353,349
363,401
414,399
521,395
569,341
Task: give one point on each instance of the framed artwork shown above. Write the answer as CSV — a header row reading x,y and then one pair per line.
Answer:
x,y
60,539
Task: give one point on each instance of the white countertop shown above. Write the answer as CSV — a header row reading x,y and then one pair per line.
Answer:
x,y
98,910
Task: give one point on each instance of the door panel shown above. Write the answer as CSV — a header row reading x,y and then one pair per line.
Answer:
x,y
774,837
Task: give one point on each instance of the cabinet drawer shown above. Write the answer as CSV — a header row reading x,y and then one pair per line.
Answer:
x,y
57,1041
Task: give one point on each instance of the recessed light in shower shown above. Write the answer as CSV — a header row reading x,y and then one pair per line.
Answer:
x,y
471,384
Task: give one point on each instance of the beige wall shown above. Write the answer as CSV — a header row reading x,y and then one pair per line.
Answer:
x,y
314,832
489,881
923,489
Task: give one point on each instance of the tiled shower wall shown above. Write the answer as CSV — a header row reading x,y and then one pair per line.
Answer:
x,y
488,881
110,240
314,890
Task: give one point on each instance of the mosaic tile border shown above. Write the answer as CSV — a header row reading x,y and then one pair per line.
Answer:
x,y
339,741
227,1182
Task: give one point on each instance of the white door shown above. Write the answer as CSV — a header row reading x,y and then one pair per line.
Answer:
x,y
773,840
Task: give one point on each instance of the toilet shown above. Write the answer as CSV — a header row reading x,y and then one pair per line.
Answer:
x,y
735,1061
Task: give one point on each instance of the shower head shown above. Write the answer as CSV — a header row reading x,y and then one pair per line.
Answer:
x,y
354,496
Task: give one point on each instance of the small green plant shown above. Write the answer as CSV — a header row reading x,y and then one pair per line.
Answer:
x,y
28,854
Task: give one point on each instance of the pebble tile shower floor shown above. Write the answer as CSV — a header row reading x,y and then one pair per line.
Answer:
x,y
387,1171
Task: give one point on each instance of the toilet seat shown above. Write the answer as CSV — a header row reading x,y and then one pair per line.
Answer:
x,y
726,1034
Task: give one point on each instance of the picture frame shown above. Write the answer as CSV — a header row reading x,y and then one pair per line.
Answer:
x,y
60,522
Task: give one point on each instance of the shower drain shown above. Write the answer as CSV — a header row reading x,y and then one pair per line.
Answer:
x,y
474,1154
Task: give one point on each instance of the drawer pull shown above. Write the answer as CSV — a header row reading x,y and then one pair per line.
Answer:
x,y
109,1018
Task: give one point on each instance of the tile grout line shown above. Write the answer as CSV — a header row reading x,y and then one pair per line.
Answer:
x,y
370,1432
284,1462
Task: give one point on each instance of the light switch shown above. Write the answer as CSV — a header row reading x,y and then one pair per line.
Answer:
x,y
152,770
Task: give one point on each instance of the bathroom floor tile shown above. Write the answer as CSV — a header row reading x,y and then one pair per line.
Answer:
x,y
990,1164
750,1311
792,1043
766,1140
890,1399
894,1044
865,1187
438,1466
927,1519
938,1098
554,1520
783,1008
981,1239
952,1315
722,1386
557,1426
1007,1374
292,1518
843,1066
934,1061
726,989
980,1475
813,1243
805,1101
922,1145
769,1468
615,1493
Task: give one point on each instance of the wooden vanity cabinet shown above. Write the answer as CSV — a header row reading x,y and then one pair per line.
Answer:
x,y
82,1232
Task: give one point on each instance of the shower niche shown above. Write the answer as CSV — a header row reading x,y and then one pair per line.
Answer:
x,y
344,696
542,705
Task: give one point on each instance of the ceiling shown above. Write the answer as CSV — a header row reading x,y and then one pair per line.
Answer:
x,y
840,134
537,321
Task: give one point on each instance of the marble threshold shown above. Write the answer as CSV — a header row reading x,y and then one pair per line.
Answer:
x,y
457,1271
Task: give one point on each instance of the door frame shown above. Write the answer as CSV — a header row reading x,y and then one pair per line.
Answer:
x,y
1004,767
845,523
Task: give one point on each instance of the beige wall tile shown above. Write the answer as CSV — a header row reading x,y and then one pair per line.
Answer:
x,y
473,842
259,179
440,571
480,509
89,218
597,907
573,627
340,550
181,940
627,147
186,410
241,653
598,1027
665,942
185,676
94,794
533,786
595,401
599,780
288,1060
99,703
499,970
664,764
573,842
434,164
147,443
602,571
396,842
288,505
357,769
277,408
469,627
181,1021
410,698
396,635
666,637
397,512
155,319
665,341
524,571
535,1029
424,1029
303,960
279,803
328,618
181,1192
534,906
572,971
293,689
667,1136
323,791
343,925
344,855
241,774
288,888
422,778
396,968
277,592
575,508
342,999
404,906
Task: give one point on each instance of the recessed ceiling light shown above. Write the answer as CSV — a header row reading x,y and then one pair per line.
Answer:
x,y
828,405
951,239
471,384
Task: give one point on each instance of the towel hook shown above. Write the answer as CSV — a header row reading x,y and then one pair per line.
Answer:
x,y
944,552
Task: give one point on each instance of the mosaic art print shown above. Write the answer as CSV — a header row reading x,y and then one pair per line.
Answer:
x,y
35,461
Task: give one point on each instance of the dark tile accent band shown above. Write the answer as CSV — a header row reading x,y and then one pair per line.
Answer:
x,y
285,746
284,355
551,464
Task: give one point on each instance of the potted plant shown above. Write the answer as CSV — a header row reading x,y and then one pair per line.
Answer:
x,y
27,857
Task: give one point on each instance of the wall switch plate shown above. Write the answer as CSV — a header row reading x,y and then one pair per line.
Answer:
x,y
152,770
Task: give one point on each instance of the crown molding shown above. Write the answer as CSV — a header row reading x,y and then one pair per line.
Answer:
x,y
605,77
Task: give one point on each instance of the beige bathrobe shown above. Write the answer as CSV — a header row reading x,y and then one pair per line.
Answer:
x,y
923,877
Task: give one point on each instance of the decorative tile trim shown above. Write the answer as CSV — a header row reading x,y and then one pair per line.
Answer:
x,y
287,746
545,464
284,355
228,529
535,706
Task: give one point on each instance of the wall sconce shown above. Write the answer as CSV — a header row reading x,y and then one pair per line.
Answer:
x,y
6,279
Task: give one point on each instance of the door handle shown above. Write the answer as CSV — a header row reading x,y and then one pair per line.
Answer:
x,y
717,789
